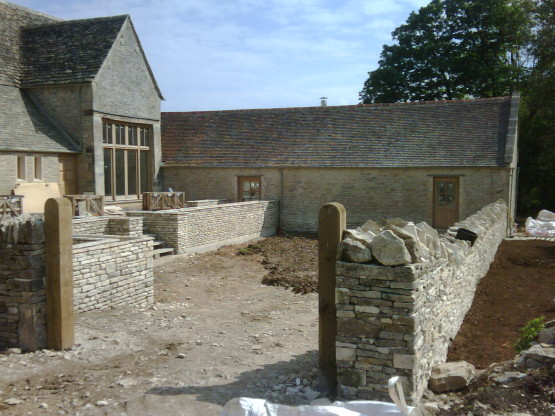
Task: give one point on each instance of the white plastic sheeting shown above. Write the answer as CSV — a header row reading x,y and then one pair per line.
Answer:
x,y
259,407
543,226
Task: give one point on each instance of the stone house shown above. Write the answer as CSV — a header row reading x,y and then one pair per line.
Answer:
x,y
437,161
79,107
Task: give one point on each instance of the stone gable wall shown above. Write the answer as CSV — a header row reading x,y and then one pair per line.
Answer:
x,y
400,320
190,229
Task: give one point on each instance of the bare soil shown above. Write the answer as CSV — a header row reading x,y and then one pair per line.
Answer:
x,y
519,286
216,332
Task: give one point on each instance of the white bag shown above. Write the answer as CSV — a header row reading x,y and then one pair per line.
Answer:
x,y
537,228
259,407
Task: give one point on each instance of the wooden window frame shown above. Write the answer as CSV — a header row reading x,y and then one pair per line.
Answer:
x,y
241,179
110,129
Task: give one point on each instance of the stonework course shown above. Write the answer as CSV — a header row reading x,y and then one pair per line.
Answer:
x,y
22,290
392,192
108,271
400,320
189,229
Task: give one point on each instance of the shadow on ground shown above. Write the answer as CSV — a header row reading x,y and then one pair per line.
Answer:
x,y
254,383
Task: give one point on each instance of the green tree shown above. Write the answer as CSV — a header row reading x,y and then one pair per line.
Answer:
x,y
537,119
453,49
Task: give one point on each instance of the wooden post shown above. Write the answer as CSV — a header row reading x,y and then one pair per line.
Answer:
x,y
331,224
60,321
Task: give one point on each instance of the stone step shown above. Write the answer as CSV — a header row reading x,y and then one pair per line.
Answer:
x,y
162,252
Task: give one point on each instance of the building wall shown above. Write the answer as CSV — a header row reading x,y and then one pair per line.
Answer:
x,y
8,169
123,85
207,183
365,192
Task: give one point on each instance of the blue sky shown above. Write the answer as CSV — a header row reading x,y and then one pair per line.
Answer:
x,y
232,54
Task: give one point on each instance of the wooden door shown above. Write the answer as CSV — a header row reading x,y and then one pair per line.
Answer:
x,y
446,202
67,178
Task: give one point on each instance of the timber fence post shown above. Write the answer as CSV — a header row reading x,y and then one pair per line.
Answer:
x,y
60,320
331,224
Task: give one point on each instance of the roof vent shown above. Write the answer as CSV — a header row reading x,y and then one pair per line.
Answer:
x,y
323,101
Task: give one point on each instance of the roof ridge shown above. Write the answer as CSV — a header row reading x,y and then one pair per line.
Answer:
x,y
377,105
27,9
65,22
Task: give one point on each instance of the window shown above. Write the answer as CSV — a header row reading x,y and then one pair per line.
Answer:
x,y
126,159
21,168
38,167
249,188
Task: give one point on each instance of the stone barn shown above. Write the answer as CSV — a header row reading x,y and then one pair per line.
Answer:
x,y
436,161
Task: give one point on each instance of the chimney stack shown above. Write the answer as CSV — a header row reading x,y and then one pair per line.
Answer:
x,y
323,101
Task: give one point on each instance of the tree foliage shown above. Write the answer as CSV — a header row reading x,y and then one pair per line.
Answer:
x,y
453,49
536,185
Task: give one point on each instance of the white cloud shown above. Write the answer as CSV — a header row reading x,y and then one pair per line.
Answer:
x,y
213,54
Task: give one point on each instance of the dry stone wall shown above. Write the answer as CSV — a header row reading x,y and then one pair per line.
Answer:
x,y
105,225
22,291
112,272
189,229
108,272
400,319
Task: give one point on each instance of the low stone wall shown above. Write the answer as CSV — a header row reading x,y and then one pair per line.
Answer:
x,y
108,272
111,272
105,225
22,291
206,202
191,229
400,320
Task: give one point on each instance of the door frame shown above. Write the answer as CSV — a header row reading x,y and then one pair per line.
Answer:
x,y
61,182
447,178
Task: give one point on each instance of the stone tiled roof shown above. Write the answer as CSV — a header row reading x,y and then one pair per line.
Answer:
x,y
67,52
12,19
423,134
25,128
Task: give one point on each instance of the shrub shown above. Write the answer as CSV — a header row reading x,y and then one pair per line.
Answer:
x,y
528,333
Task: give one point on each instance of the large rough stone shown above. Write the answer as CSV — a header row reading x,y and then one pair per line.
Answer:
x,y
398,222
541,355
418,252
363,237
432,237
451,376
547,336
390,250
353,252
372,226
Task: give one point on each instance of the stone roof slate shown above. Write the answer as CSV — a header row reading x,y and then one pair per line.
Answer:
x,y
423,134
68,52
12,19
25,128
